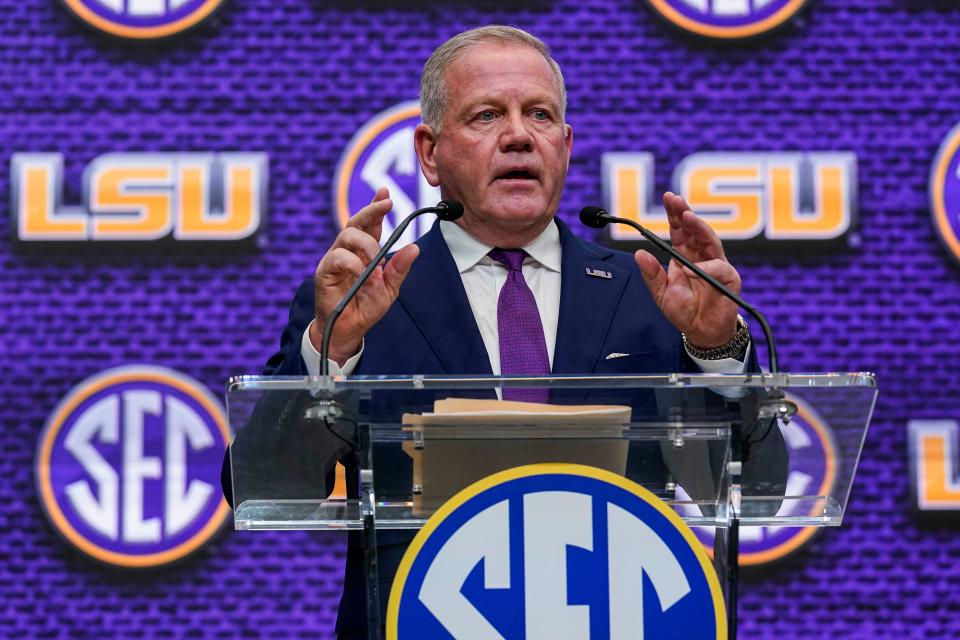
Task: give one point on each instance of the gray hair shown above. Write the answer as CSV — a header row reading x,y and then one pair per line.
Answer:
x,y
433,91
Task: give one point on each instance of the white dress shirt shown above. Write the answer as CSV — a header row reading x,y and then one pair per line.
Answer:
x,y
482,278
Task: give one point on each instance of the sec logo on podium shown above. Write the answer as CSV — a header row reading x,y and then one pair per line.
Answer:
x,y
553,551
128,466
727,19
142,19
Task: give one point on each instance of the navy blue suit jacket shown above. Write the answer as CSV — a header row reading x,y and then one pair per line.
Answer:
x,y
431,330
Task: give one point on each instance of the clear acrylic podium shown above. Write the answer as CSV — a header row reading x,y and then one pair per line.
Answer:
x,y
712,447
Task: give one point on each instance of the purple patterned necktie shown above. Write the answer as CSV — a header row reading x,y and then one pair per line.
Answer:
x,y
523,349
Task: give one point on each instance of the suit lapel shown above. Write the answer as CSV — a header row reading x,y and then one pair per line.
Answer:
x,y
434,298
587,303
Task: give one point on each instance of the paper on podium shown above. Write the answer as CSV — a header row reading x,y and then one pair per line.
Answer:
x,y
465,440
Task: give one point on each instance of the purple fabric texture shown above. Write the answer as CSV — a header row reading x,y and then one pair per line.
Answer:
x,y
296,79
523,349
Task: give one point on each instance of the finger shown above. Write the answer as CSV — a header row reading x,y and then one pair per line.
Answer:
x,y
653,274
358,242
398,267
382,194
370,218
674,205
701,239
678,274
720,270
339,262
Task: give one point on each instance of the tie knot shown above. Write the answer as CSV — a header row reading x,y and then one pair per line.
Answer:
x,y
512,258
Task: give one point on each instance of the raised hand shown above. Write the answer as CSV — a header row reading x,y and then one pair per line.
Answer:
x,y
349,255
707,318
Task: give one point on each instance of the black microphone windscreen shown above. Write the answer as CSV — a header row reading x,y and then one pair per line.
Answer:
x,y
593,217
449,210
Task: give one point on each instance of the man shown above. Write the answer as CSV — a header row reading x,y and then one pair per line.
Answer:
x,y
494,137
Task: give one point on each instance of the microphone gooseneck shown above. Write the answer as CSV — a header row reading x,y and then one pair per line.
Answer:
x,y
446,210
597,218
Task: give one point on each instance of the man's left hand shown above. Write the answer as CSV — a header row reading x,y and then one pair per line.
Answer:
x,y
705,316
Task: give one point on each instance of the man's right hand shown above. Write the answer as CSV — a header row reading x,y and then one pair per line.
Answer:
x,y
349,255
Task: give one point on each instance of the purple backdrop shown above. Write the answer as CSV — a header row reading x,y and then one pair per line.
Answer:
x,y
295,79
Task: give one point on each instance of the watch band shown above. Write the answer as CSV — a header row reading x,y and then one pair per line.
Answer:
x,y
735,348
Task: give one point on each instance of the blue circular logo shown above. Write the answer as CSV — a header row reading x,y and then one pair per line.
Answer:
x,y
142,19
556,551
381,154
128,466
728,19
945,192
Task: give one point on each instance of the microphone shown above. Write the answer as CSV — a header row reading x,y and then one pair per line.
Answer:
x,y
446,210
597,218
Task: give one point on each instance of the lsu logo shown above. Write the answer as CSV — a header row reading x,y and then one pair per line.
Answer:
x,y
381,154
934,447
141,197
813,472
142,19
555,551
128,466
945,192
727,19
744,196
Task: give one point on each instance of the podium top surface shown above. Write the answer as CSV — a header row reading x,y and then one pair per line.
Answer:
x,y
672,380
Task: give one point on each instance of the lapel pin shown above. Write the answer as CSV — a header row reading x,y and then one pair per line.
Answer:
x,y
597,273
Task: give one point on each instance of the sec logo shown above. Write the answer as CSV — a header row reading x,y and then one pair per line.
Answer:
x,y
381,154
813,472
142,19
728,19
128,466
555,551
945,192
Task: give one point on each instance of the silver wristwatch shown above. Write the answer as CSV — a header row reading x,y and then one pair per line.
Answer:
x,y
735,348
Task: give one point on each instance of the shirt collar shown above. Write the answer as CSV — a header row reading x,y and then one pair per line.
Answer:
x,y
467,251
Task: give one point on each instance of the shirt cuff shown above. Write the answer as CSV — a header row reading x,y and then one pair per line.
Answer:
x,y
311,358
725,365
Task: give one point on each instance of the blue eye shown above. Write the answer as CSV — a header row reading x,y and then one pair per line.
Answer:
x,y
540,114
486,116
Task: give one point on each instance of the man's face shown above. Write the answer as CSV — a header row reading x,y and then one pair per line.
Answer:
x,y
504,149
